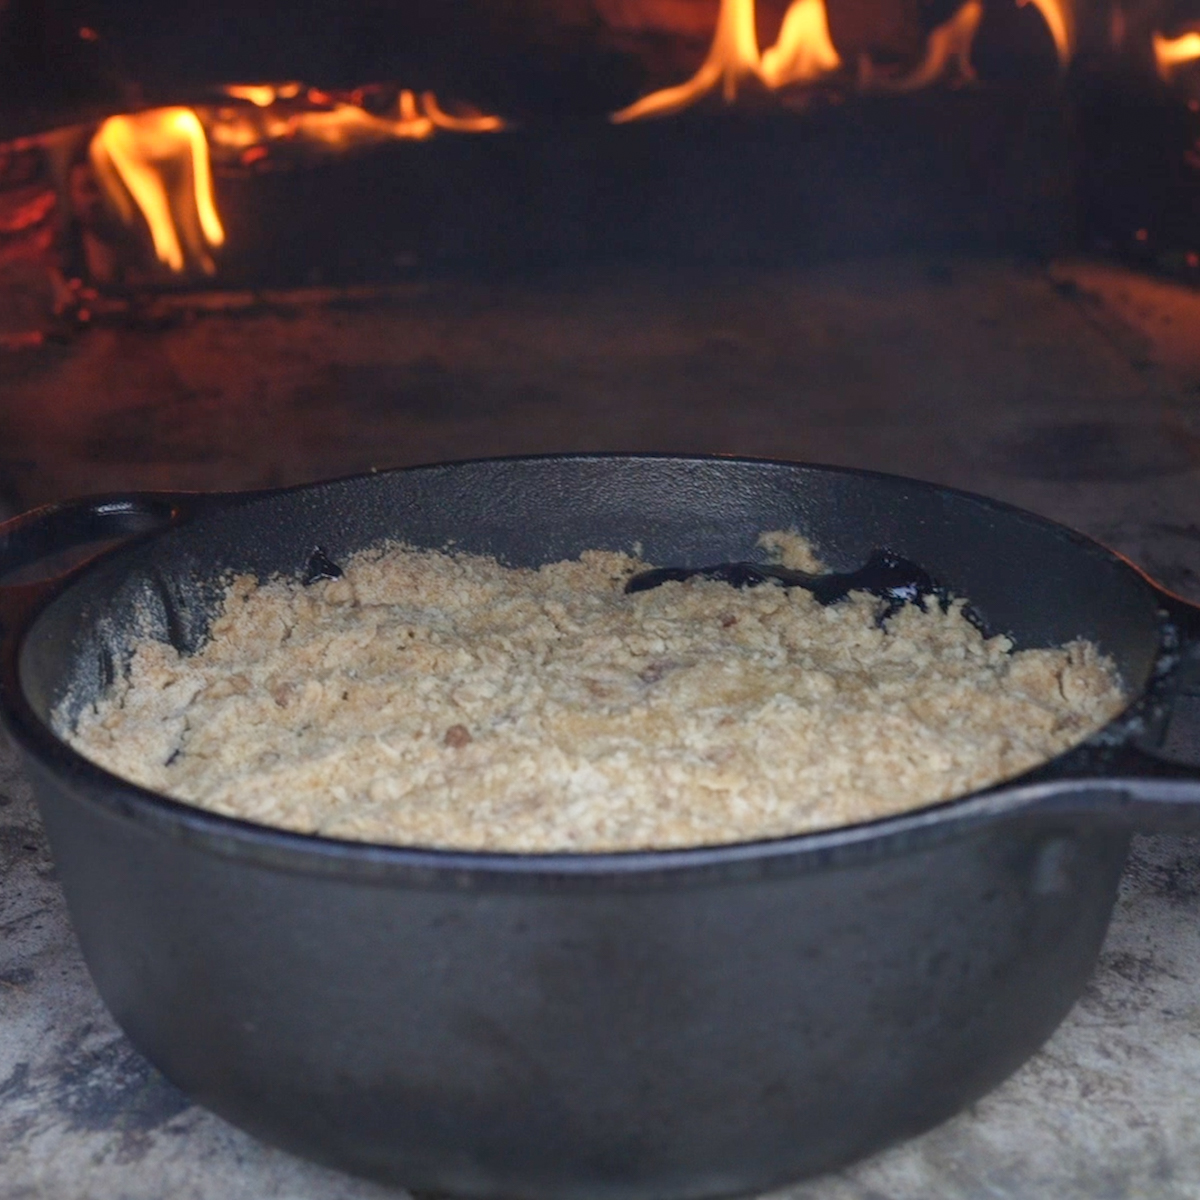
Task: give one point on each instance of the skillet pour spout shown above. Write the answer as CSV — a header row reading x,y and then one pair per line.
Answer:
x,y
636,1026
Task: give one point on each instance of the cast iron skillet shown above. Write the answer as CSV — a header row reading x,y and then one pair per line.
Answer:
x,y
679,1024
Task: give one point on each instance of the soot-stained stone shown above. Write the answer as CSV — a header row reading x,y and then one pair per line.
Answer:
x,y
17,1084
1168,868
1124,986
1096,451
115,1088
22,843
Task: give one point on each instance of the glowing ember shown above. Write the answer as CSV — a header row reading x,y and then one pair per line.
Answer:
x,y
948,52
1172,53
262,94
803,54
158,161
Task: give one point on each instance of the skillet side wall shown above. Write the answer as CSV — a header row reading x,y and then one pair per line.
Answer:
x,y
1027,577
590,1040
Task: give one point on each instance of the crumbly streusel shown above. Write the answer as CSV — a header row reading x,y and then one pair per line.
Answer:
x,y
439,699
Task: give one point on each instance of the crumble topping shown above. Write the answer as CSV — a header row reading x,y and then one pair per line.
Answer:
x,y
444,700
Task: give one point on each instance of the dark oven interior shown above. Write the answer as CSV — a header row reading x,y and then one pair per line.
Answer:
x,y
250,245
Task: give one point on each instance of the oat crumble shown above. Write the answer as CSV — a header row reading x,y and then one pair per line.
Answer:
x,y
441,699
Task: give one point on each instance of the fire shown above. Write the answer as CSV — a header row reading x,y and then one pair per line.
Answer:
x,y
344,125
471,123
261,94
1060,20
415,118
804,51
803,54
158,161
336,123
1172,53
948,49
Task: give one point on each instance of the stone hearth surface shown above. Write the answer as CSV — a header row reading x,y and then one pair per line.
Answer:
x,y
1073,390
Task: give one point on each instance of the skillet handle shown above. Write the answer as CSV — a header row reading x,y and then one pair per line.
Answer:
x,y
42,538
1144,769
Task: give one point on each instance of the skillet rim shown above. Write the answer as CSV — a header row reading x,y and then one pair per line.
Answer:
x,y
310,853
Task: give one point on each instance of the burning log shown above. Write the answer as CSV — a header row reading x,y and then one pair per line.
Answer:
x,y
33,288
181,192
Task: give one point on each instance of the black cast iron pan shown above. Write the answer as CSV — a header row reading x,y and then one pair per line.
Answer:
x,y
679,1024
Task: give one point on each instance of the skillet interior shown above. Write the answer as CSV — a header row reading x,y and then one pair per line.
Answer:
x,y
1027,577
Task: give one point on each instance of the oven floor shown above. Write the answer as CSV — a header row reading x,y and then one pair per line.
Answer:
x,y
1072,390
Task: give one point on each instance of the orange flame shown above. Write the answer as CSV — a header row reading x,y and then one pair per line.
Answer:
x,y
474,123
1172,53
338,124
1060,20
345,125
803,53
947,50
804,50
158,161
